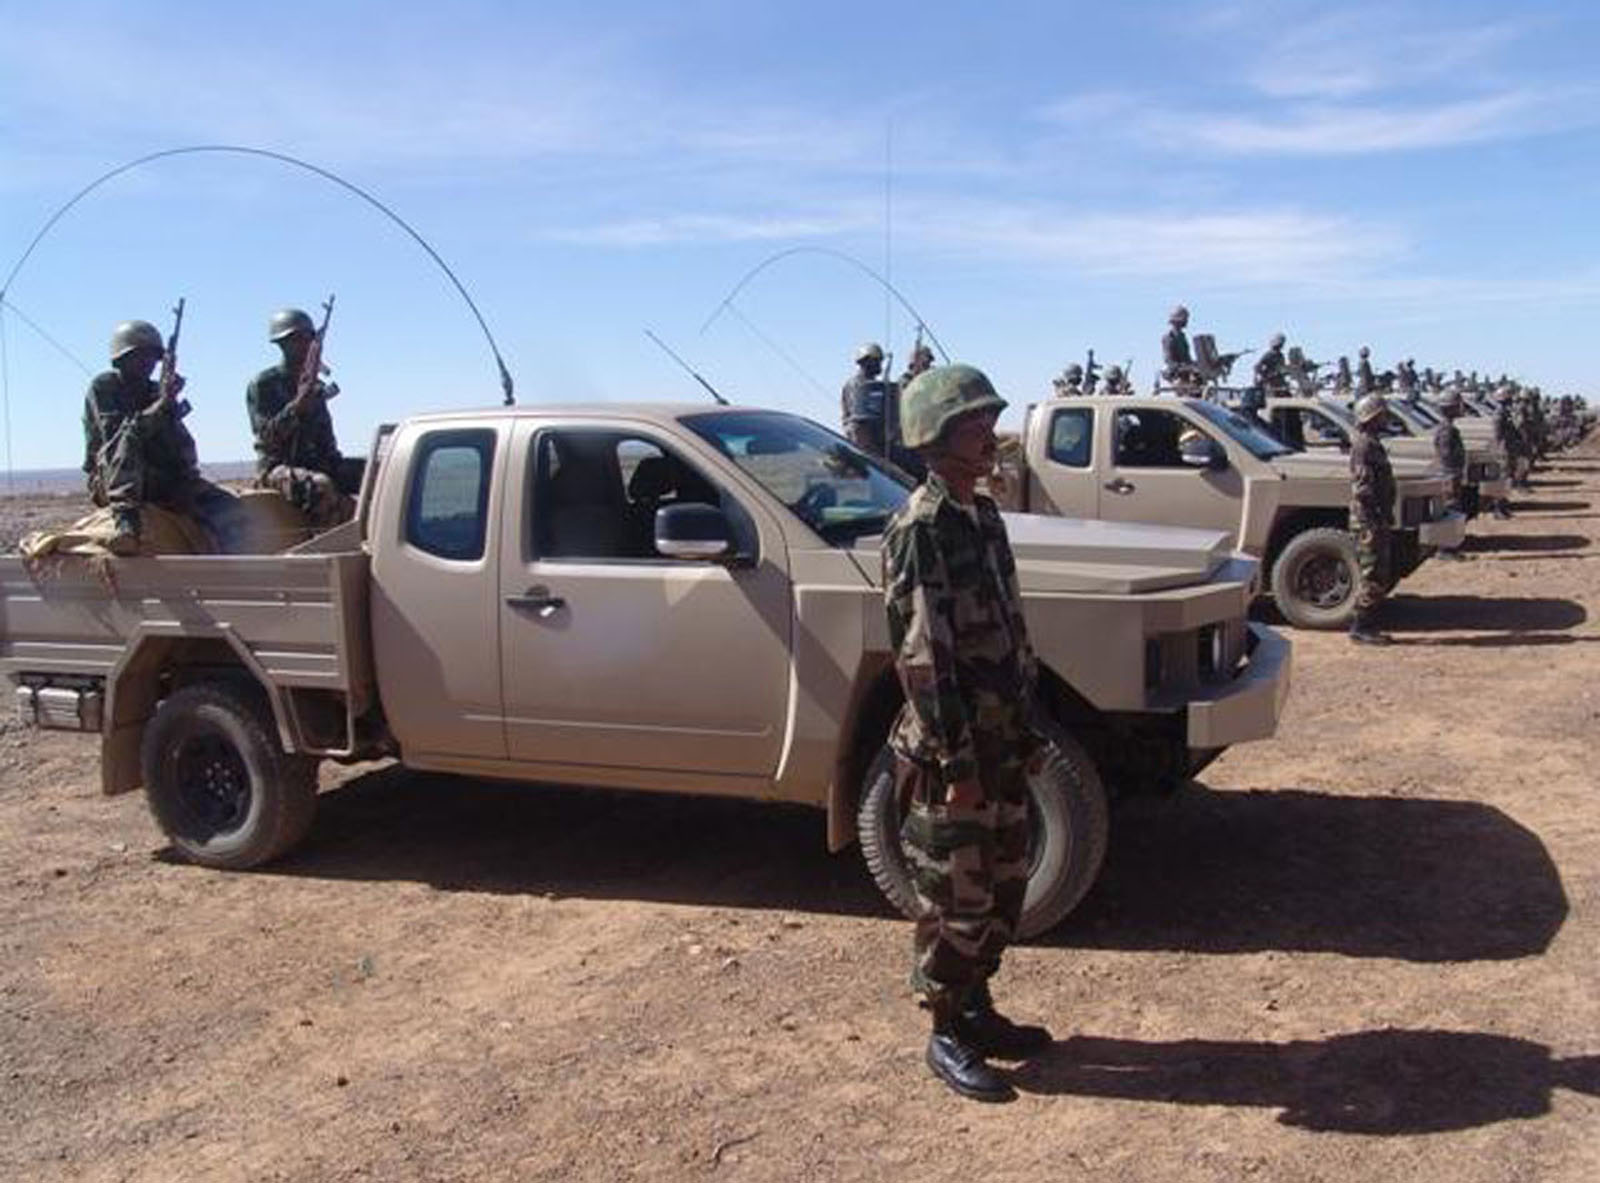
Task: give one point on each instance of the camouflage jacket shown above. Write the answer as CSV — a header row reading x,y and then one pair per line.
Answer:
x,y
1452,453
1506,432
1371,482
956,624
1272,372
1176,360
282,435
114,408
1366,381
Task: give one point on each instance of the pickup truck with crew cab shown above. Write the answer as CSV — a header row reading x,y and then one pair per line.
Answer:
x,y
668,598
1193,462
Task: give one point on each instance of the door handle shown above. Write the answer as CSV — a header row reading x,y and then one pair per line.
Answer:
x,y
1120,486
539,599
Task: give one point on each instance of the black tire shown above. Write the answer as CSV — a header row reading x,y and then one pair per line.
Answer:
x,y
1315,578
1069,818
221,789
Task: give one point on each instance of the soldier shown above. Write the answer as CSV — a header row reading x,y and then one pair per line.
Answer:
x,y
861,401
1365,382
1406,379
963,740
1070,382
1510,441
1343,382
1452,455
136,450
921,359
1303,372
1371,506
1177,363
1117,381
1272,374
296,452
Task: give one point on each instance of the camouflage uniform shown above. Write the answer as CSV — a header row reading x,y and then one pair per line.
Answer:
x,y
968,672
1177,362
1452,457
137,451
1371,506
1272,372
296,452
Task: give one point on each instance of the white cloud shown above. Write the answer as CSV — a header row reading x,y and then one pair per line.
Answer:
x,y
710,228
1345,54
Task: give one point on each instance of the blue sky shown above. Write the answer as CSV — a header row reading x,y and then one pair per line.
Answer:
x,y
1418,176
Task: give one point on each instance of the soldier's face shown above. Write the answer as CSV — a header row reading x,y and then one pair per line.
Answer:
x,y
870,366
294,347
969,445
140,363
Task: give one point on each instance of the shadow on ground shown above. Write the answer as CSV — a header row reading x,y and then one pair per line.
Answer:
x,y
1221,872
1385,1082
1476,543
1548,506
1238,872
1489,614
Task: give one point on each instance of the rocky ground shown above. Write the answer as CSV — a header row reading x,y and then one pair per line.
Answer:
x,y
1364,950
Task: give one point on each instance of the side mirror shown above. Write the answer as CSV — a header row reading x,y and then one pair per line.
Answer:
x,y
693,531
1200,452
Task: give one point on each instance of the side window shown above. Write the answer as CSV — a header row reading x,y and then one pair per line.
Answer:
x,y
1071,436
447,509
1149,438
596,493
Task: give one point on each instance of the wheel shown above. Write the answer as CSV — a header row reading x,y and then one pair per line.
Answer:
x,y
1314,579
221,789
1067,814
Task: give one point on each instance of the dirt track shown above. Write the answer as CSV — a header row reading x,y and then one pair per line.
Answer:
x,y
1366,950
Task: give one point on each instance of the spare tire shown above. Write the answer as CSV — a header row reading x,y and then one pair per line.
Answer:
x,y
1067,814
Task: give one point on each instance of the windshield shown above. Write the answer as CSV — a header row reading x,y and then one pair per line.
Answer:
x,y
1255,439
839,491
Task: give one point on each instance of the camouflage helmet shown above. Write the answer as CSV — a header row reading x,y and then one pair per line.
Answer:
x,y
1277,341
1365,351
1113,371
286,322
135,334
1451,403
1369,407
870,350
938,396
1180,313
1073,371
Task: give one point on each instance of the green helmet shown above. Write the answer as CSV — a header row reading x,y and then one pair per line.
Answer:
x,y
871,349
938,396
135,334
1276,342
1369,408
286,322
1451,403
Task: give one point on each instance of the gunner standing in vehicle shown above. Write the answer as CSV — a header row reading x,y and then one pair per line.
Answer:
x,y
963,740
1272,371
1177,362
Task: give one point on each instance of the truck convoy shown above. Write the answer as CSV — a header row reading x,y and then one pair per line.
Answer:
x,y
659,598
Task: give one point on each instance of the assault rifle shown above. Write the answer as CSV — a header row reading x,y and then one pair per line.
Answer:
x,y
312,367
171,382
1091,374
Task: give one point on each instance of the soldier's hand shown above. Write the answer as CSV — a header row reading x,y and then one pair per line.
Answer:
x,y
178,383
968,794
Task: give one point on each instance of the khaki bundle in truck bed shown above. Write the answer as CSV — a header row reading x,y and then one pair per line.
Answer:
x,y
672,599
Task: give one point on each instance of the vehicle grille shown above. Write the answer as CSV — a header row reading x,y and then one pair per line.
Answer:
x,y
1416,510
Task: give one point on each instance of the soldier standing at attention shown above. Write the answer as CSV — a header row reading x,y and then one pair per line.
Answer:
x,y
1371,507
1272,374
296,452
921,359
1366,383
1177,362
136,450
1452,456
861,407
963,740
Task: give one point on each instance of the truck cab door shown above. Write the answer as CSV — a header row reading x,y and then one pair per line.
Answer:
x,y
1060,441
617,657
1148,481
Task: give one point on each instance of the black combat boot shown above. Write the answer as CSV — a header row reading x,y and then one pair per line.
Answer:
x,y
995,1035
954,1060
1363,633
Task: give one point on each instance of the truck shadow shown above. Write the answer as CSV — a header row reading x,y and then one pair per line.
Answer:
x,y
1245,872
1477,543
1219,872
1486,614
1548,506
1385,1082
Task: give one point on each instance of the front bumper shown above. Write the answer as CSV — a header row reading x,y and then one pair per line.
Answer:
x,y
1248,706
1446,533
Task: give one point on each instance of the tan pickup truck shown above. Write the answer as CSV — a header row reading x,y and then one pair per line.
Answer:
x,y
1318,424
1190,462
657,598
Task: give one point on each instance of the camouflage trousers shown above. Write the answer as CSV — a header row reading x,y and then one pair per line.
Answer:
x,y
125,480
1372,562
313,493
969,868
